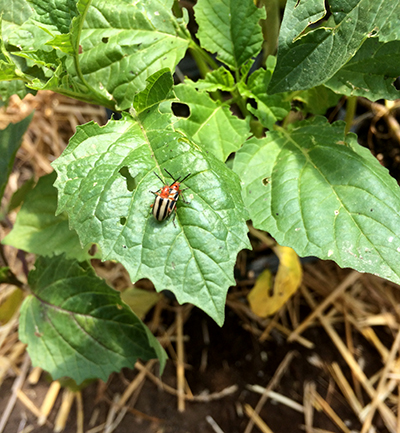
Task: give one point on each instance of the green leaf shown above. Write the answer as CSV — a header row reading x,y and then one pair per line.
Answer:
x,y
159,88
43,24
19,196
211,124
246,67
16,87
323,196
317,100
93,50
230,28
77,326
104,179
7,66
122,44
57,14
37,229
14,14
310,56
220,79
10,140
371,72
270,108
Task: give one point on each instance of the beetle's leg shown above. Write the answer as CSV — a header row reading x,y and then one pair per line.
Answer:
x,y
173,219
183,198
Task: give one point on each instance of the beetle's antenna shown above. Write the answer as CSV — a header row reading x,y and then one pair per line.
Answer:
x,y
170,175
186,177
158,177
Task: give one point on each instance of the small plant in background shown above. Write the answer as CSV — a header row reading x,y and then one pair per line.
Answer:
x,y
294,175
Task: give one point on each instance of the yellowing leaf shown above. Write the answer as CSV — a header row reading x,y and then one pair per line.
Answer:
x,y
140,301
264,301
10,306
259,295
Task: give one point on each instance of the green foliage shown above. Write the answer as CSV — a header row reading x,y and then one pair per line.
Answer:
x,y
311,186
371,72
38,230
211,124
219,21
270,108
84,329
300,184
100,52
194,258
10,140
309,56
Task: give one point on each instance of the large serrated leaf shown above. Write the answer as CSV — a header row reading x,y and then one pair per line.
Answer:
x,y
323,195
10,140
310,56
94,50
37,229
104,180
122,44
230,28
77,326
211,124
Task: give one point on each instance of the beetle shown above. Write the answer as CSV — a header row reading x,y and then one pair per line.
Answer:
x,y
167,197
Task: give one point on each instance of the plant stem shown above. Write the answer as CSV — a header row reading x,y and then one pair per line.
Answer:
x,y
350,112
270,27
203,60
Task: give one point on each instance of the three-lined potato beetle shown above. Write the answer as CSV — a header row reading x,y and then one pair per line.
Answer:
x,y
167,197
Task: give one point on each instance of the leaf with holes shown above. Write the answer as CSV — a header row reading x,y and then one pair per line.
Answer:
x,y
77,326
104,181
211,124
316,190
96,51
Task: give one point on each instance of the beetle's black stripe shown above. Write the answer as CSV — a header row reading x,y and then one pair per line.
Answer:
x,y
163,207
160,208
173,196
171,207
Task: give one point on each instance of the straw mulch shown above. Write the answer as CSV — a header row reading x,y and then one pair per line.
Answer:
x,y
342,307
